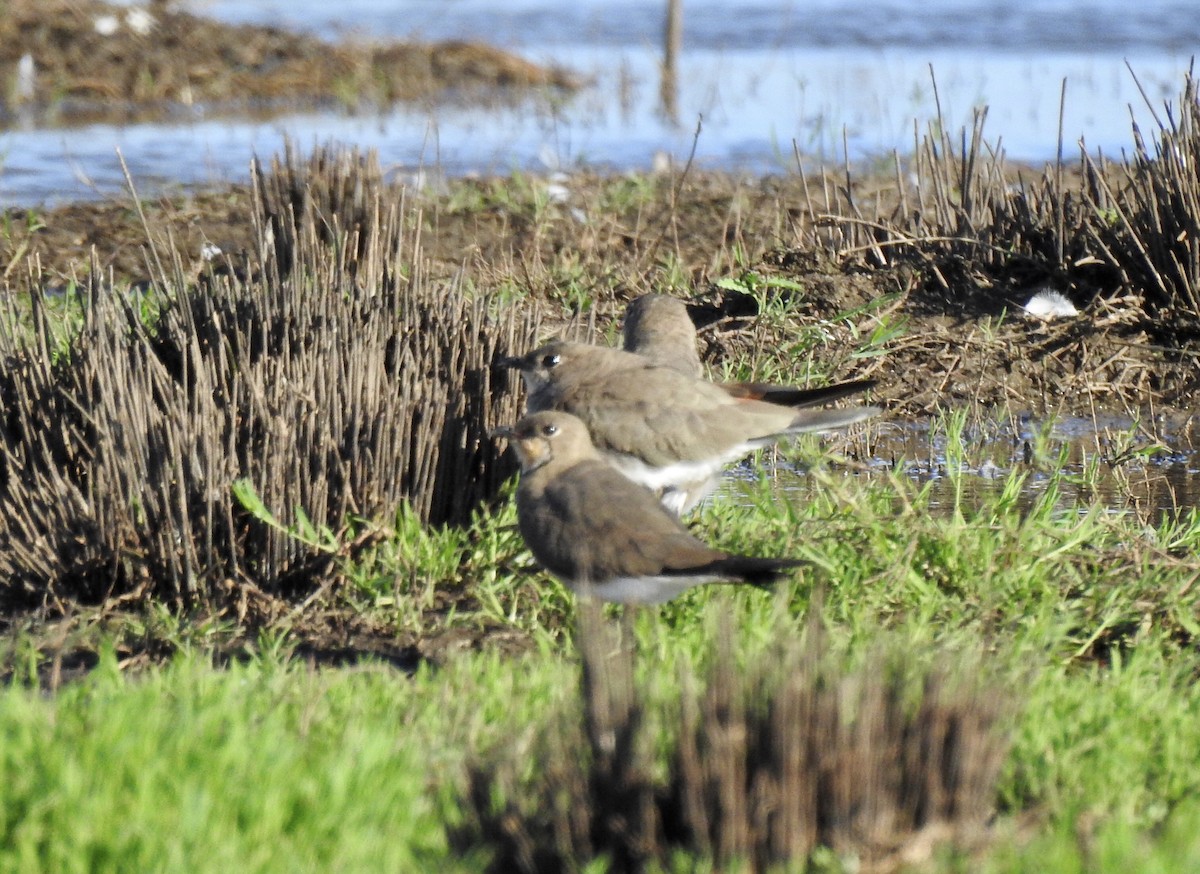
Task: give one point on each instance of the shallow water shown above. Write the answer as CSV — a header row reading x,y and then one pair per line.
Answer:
x,y
1104,461
756,77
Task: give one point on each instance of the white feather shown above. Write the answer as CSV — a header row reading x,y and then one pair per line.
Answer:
x,y
681,473
1049,304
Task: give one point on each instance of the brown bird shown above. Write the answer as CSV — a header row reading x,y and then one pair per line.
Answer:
x,y
603,535
658,328
664,430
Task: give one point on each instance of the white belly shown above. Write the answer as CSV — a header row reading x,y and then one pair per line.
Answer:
x,y
677,475
641,590
680,486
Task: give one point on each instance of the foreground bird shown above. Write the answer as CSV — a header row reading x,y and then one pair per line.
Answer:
x,y
601,534
664,430
658,328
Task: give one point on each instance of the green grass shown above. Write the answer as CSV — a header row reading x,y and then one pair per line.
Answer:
x,y
256,767
1084,618
802,349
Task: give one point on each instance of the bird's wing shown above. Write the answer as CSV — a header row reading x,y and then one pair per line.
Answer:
x,y
792,396
605,526
662,416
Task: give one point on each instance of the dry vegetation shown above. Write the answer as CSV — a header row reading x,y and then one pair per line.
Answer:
x,y
337,357
876,763
1120,240
1095,229
336,379
221,437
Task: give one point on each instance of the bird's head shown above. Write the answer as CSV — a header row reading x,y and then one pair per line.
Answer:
x,y
542,437
541,366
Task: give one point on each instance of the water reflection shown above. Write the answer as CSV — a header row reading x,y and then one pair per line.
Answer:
x,y
1104,462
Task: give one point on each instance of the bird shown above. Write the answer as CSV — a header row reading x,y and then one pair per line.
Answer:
x,y
658,327
605,536
667,431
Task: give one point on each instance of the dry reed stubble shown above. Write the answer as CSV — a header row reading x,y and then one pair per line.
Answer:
x,y
767,764
1097,231
335,378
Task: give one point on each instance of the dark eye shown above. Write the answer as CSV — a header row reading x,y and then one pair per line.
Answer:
x,y
549,430
551,360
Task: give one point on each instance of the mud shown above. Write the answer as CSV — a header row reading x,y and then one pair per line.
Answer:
x,y
81,60
728,244
591,254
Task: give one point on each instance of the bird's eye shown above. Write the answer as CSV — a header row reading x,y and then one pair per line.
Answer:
x,y
551,360
549,430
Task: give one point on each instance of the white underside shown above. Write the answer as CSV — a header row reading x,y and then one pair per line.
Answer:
x,y
641,590
684,484
681,499
678,474
680,486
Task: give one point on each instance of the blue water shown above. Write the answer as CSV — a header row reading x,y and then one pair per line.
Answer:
x,y
758,79
1023,27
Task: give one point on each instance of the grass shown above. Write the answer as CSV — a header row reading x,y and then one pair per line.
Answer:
x,y
1083,618
257,767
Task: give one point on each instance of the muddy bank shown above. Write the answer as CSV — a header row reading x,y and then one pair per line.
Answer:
x,y
89,61
775,301
591,243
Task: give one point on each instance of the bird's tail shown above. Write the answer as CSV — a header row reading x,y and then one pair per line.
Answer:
x,y
789,396
761,572
829,420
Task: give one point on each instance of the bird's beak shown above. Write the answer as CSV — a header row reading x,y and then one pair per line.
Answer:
x,y
507,362
504,431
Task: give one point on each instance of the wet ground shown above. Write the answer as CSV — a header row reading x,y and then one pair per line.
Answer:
x,y
1095,389
1115,462
1105,382
73,61
167,88
969,346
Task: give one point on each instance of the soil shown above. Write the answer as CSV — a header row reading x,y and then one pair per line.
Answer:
x,y
327,638
948,350
77,60
951,351
91,57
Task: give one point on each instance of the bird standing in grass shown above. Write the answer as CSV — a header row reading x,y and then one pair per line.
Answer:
x,y
658,328
603,535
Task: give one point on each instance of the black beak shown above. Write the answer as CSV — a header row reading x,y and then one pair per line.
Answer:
x,y
507,362
505,431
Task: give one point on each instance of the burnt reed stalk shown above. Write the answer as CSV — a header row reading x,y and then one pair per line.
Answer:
x,y
327,369
767,762
983,232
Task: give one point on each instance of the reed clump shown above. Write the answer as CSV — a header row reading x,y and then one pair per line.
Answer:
x,y
323,369
766,765
987,235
